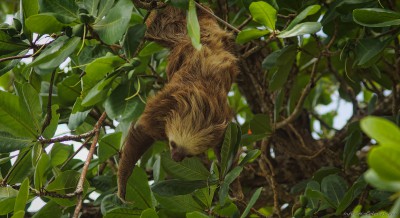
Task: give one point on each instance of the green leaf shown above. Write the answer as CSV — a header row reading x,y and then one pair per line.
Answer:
x,y
368,50
229,178
29,7
230,147
109,145
50,209
310,10
138,190
123,104
30,100
98,68
252,201
150,49
149,213
52,127
9,45
22,167
103,8
66,183
66,11
132,39
59,153
382,130
55,54
193,26
196,214
40,169
353,143
179,203
78,115
383,160
334,188
14,119
114,25
19,214
372,177
122,213
11,143
251,155
7,199
69,90
98,93
175,187
356,189
22,196
45,23
250,34
284,61
188,169
263,13
376,17
301,29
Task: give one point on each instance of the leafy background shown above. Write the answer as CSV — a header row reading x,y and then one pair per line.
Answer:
x,y
75,73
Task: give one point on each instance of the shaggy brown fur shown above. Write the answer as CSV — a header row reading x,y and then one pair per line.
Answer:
x,y
191,111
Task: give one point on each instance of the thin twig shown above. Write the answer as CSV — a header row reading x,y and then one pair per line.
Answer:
x,y
15,57
219,19
48,118
79,187
68,137
303,97
242,25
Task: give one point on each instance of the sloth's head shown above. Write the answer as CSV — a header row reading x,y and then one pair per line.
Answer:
x,y
195,126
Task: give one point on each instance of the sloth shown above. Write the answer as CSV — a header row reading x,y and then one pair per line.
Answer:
x,y
191,112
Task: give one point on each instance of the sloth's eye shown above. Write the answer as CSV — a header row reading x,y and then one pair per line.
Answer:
x,y
173,144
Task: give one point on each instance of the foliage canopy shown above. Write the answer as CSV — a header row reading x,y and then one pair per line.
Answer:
x,y
88,69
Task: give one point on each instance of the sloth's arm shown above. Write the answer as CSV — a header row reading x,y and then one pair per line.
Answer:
x,y
137,142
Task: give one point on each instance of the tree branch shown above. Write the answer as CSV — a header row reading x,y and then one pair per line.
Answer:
x,y
79,187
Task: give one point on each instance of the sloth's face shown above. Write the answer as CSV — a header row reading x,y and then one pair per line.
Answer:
x,y
179,152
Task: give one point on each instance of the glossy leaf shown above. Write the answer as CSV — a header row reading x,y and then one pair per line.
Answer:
x,y
40,169
51,209
133,38
384,161
150,49
301,29
11,143
376,17
382,130
310,10
251,155
179,203
334,188
113,26
52,127
149,213
60,153
9,45
230,147
264,13
24,168
250,34
229,178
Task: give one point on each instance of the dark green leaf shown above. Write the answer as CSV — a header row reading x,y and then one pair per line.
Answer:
x,y
334,188
98,92
132,39
179,203
22,167
11,143
109,145
9,45
376,17
44,23
66,183
230,147
78,115
252,201
13,118
122,213
193,27
52,127
65,11
115,23
69,90
149,213
229,178
352,145
251,155
178,187
138,190
60,153
188,169
196,214
150,49
284,61
351,194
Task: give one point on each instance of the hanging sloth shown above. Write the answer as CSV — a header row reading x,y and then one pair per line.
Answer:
x,y
191,112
